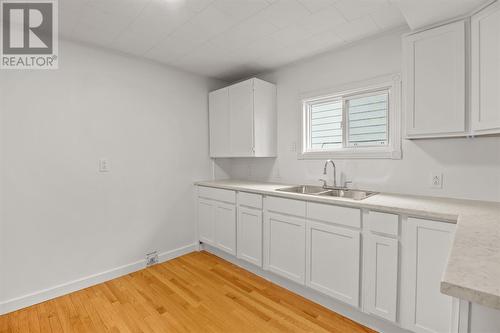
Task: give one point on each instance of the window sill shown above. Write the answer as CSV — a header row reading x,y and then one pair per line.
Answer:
x,y
359,153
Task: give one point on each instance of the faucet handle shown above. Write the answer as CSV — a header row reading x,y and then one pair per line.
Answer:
x,y
325,185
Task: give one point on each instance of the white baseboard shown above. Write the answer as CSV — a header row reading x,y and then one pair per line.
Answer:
x,y
88,281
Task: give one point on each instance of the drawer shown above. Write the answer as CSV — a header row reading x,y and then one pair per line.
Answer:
x,y
250,200
286,206
217,194
334,214
383,222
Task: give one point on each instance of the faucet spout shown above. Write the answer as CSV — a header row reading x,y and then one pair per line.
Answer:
x,y
334,171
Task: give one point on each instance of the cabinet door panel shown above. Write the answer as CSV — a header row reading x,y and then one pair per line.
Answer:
x,y
435,81
284,238
486,70
225,227
332,261
429,243
241,120
250,235
382,276
219,123
206,222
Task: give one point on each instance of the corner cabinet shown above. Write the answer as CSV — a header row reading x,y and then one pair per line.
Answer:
x,y
485,100
434,76
217,218
242,120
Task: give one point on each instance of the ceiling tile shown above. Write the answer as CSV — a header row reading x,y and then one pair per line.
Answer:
x,y
316,5
158,19
357,29
356,9
200,29
290,35
283,13
241,9
244,33
388,17
324,20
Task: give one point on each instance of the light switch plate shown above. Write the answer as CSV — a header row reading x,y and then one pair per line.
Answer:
x,y
436,180
104,165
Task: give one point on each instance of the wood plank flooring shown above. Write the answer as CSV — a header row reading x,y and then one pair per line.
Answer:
x,y
198,292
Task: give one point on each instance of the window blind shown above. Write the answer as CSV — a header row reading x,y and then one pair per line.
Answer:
x,y
326,125
367,119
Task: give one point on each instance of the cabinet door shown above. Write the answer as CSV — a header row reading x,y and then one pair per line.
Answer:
x,y
241,121
486,70
434,77
382,276
250,235
206,221
284,246
225,227
332,261
219,123
429,244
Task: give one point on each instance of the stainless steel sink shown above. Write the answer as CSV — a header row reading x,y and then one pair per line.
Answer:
x,y
303,189
351,194
325,192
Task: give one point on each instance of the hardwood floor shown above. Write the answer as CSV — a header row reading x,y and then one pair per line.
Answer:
x,y
198,292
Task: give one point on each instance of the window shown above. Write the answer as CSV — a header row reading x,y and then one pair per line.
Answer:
x,y
357,123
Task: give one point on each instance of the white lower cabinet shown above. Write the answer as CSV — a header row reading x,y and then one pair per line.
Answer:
x,y
250,235
206,221
225,227
217,218
284,245
382,276
428,244
333,260
381,262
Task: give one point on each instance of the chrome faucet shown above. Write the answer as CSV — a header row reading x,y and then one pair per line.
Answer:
x,y
334,171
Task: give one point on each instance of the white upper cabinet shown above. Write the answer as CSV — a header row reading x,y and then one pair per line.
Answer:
x,y
485,40
219,122
243,120
434,74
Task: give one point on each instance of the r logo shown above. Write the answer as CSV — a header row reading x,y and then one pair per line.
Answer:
x,y
27,28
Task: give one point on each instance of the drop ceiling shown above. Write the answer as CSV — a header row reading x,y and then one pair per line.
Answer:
x,y
228,39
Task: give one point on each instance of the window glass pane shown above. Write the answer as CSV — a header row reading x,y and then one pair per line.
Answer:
x,y
326,125
368,120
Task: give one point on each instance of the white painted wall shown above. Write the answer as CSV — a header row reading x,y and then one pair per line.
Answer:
x,y
61,220
471,168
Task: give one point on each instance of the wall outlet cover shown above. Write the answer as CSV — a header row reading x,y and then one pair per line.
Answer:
x,y
436,180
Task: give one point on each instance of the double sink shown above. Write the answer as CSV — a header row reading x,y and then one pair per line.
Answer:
x,y
327,192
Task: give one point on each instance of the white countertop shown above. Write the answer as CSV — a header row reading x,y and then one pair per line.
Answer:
x,y
473,270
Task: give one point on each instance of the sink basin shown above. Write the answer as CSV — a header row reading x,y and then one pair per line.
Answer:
x,y
351,194
303,189
320,191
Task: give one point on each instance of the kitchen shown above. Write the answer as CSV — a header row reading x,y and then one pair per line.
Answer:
x,y
254,165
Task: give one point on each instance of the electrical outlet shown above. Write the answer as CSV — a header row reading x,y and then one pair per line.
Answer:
x,y
104,165
152,258
436,180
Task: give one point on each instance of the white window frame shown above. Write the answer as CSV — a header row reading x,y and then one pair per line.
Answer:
x,y
392,150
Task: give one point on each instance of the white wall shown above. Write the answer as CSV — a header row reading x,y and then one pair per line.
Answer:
x,y
471,168
62,220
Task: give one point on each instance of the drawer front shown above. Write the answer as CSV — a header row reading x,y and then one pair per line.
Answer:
x,y
217,194
286,206
250,200
334,214
383,222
